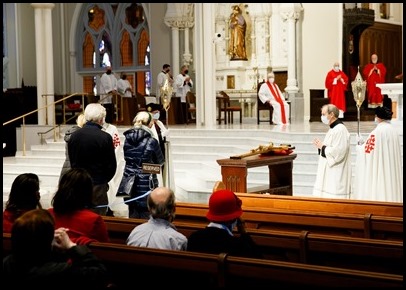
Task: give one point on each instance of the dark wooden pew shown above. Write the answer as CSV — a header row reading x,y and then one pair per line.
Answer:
x,y
379,208
244,272
129,265
302,247
392,209
345,224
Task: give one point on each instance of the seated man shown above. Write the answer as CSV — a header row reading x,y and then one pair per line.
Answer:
x,y
158,231
224,214
270,93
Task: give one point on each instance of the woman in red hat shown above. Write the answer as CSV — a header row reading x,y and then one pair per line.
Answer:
x,y
224,215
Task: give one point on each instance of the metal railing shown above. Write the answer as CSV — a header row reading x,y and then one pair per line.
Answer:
x,y
55,126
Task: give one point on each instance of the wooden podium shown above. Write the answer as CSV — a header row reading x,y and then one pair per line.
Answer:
x,y
175,112
234,173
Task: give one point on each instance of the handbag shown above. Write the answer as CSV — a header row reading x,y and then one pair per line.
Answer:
x,y
126,185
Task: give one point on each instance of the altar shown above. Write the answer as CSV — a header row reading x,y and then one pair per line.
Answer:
x,y
395,92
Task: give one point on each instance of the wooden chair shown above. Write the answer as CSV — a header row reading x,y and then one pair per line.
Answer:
x,y
191,107
229,110
263,107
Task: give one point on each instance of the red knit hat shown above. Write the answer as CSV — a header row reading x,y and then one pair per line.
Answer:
x,y
224,205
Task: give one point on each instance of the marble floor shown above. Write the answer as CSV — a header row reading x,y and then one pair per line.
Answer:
x,y
365,127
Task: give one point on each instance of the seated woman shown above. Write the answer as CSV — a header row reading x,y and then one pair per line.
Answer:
x,y
71,208
34,259
24,196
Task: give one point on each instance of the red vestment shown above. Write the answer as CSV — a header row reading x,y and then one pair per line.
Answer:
x,y
373,77
336,88
275,93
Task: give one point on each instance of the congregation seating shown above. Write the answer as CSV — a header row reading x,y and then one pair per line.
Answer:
x,y
390,209
345,224
301,247
126,263
305,241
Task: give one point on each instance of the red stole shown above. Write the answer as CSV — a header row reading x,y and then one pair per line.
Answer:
x,y
278,98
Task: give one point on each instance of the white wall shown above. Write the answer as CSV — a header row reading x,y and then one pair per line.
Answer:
x,y
322,38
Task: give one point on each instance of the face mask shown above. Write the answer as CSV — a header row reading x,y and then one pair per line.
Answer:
x,y
156,116
336,68
271,80
186,72
374,61
376,120
324,119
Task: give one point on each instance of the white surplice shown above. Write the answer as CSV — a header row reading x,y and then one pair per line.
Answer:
x,y
378,175
333,178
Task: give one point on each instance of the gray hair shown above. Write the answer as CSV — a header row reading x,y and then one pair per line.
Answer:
x,y
332,109
95,112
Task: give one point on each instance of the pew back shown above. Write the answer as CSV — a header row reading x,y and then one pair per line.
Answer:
x,y
302,247
345,224
393,209
129,265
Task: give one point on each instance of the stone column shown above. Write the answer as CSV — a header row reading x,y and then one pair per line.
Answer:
x,y
290,12
45,61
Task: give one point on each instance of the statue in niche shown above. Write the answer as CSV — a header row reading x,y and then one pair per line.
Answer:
x,y
238,27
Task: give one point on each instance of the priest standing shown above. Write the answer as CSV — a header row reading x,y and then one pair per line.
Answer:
x,y
333,178
378,175
336,84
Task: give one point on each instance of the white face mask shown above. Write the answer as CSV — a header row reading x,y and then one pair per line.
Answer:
x,y
156,116
336,68
324,119
376,120
271,80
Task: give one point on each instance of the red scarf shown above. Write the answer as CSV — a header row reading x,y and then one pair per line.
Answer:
x,y
278,98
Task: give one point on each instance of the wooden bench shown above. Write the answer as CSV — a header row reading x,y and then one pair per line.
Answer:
x,y
345,224
392,209
302,247
127,265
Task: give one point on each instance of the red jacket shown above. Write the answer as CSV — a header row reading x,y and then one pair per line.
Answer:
x,y
84,226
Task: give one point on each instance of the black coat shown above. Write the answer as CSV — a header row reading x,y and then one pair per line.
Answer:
x,y
92,149
140,147
84,270
215,241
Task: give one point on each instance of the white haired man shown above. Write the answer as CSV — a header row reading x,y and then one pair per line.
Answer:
x,y
92,148
270,93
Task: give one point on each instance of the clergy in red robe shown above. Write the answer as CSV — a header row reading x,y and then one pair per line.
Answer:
x,y
374,73
270,93
336,84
